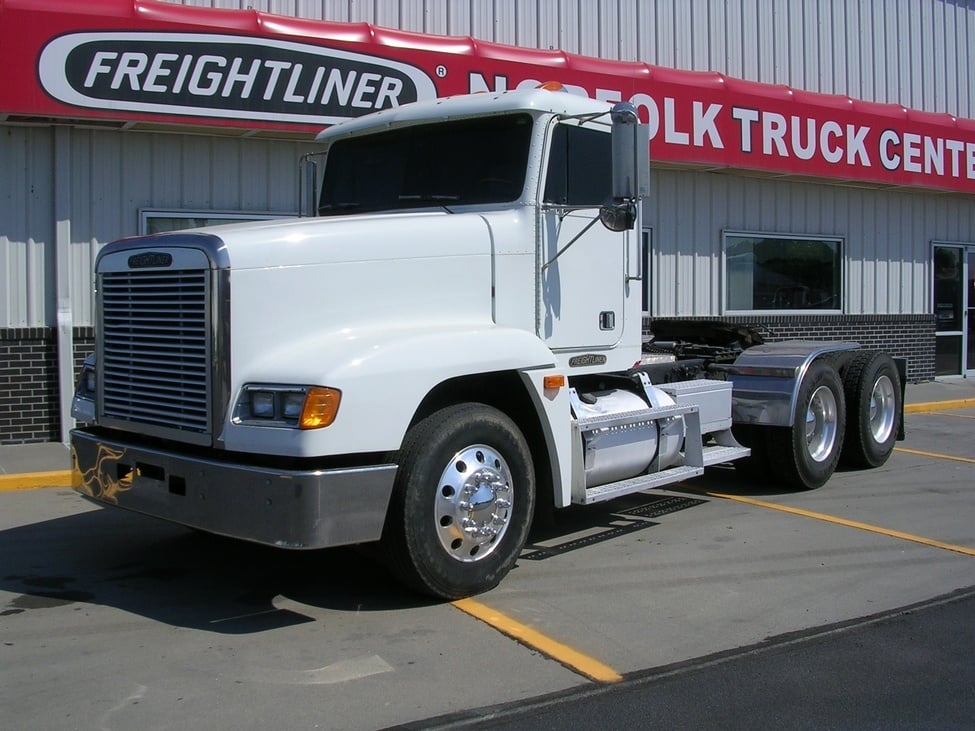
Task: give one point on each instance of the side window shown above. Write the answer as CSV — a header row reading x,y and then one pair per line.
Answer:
x,y
579,167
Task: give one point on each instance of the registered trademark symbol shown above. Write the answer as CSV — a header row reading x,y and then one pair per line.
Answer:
x,y
441,71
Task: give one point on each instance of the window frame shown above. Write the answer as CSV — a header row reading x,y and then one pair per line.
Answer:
x,y
725,288
572,126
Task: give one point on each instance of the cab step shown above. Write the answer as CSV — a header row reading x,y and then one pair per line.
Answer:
x,y
601,493
720,454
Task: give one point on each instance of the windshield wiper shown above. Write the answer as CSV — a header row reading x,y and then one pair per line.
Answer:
x,y
342,206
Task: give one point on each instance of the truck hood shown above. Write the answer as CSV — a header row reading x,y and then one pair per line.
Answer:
x,y
297,242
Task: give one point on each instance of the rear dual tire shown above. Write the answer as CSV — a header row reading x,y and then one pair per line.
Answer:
x,y
853,419
806,454
874,399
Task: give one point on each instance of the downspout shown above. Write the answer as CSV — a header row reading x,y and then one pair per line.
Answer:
x,y
62,268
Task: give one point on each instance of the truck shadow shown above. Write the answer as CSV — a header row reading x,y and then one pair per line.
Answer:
x,y
728,479
184,578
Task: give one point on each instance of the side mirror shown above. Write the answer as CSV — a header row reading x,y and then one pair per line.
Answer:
x,y
618,215
631,154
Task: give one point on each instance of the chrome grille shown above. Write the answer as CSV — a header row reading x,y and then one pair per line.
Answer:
x,y
155,348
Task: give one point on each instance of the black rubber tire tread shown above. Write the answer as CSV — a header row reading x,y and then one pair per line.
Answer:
x,y
860,449
754,467
788,454
409,543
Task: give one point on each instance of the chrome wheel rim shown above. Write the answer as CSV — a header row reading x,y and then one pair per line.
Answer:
x,y
821,424
883,409
474,503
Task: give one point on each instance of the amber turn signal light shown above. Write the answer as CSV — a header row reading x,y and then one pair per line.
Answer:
x,y
553,381
321,407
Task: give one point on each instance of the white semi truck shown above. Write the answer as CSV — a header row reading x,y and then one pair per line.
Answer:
x,y
452,341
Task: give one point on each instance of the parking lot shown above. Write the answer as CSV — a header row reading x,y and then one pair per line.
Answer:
x,y
112,620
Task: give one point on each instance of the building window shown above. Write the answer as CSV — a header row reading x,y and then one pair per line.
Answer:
x,y
765,272
157,222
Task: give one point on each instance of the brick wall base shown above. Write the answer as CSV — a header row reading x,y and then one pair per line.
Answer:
x,y
29,407
29,410
903,336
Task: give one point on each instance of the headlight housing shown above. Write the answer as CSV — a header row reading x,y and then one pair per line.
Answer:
x,y
83,402
85,386
297,407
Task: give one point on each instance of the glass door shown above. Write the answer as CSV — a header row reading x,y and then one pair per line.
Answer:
x,y
970,329
949,309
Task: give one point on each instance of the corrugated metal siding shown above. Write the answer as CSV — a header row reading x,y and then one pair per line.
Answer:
x,y
26,227
110,177
919,53
886,236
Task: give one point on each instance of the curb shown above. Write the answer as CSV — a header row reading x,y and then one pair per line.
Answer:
x,y
964,403
32,480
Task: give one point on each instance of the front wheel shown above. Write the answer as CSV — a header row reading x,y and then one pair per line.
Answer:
x,y
805,454
462,502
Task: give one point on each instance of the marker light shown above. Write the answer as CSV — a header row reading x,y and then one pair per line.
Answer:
x,y
553,382
321,407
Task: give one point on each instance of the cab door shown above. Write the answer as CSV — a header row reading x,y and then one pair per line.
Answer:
x,y
583,277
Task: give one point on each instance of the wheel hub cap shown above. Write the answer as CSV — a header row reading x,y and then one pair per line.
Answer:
x,y
821,424
882,409
474,503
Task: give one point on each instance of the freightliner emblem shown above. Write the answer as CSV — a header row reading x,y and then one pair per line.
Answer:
x,y
589,359
153,259
229,76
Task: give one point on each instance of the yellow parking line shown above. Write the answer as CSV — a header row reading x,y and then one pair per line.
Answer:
x,y
926,408
568,656
936,455
842,521
31,480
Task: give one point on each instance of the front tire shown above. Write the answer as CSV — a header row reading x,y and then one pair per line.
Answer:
x,y
806,454
462,502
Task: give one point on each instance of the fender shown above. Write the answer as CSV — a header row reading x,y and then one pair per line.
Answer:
x,y
384,374
766,379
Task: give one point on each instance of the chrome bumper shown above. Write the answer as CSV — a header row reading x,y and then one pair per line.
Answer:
x,y
285,508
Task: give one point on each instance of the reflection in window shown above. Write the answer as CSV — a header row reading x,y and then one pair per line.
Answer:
x,y
157,222
468,161
580,169
764,272
948,288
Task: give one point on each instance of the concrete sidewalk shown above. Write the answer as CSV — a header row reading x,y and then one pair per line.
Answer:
x,y
24,466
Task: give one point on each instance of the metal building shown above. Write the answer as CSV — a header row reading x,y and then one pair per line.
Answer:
x,y
898,254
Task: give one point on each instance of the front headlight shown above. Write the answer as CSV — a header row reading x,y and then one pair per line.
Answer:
x,y
300,407
83,403
85,387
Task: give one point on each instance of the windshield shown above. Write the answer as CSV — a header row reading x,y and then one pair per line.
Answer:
x,y
468,161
